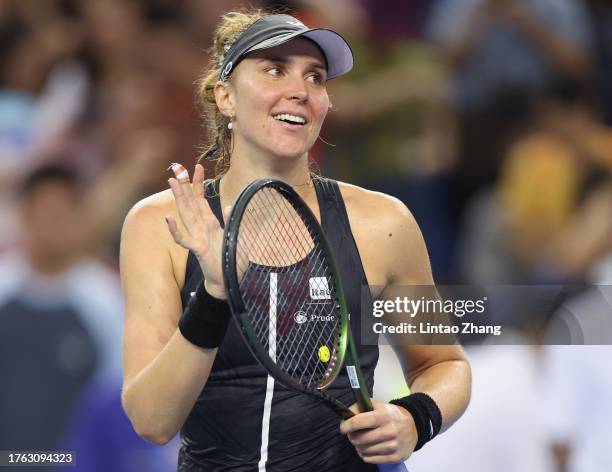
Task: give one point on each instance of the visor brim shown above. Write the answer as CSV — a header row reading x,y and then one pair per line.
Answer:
x,y
338,53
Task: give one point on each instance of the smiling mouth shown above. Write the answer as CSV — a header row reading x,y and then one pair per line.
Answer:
x,y
291,119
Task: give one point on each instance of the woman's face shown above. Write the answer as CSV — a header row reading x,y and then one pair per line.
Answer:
x,y
279,99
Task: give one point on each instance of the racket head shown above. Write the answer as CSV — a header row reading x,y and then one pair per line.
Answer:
x,y
266,213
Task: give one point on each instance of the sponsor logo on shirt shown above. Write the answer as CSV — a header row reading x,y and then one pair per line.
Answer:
x,y
300,317
319,289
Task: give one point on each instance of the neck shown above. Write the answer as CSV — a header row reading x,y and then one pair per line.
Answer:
x,y
243,171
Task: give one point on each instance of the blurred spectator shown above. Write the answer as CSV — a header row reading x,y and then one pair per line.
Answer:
x,y
60,310
577,385
548,220
501,430
201,17
104,440
29,55
511,44
503,51
601,17
576,401
577,388
391,20
85,79
91,113
60,315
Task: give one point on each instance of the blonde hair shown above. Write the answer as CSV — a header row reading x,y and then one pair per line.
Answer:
x,y
219,140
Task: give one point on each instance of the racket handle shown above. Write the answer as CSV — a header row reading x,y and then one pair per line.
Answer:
x,y
399,467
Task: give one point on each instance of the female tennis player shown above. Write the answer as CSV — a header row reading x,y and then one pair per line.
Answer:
x,y
186,366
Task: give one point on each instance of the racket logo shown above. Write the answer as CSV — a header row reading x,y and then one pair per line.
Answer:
x,y
300,317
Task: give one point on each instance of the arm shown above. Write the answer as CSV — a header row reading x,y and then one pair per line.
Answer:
x,y
442,372
388,433
163,372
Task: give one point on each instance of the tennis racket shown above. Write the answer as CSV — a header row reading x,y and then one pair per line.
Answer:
x,y
285,293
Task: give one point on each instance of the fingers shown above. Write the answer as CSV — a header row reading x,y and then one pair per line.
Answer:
x,y
198,182
381,436
380,445
175,232
386,459
180,172
368,437
183,189
198,225
368,420
189,208
183,204
372,451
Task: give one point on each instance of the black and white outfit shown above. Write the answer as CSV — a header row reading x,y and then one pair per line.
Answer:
x,y
243,420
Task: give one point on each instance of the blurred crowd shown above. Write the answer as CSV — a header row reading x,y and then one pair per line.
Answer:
x,y
490,119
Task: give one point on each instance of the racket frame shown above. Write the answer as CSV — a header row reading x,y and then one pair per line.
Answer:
x,y
345,344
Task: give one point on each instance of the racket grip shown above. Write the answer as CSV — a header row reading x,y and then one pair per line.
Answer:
x,y
399,467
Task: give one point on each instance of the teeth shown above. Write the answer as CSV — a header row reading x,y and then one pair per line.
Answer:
x,y
287,117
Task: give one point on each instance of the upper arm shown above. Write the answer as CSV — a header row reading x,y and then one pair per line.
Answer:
x,y
407,260
407,263
152,295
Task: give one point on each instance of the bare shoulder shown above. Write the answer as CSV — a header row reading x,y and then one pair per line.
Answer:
x,y
145,236
150,209
145,222
388,237
380,209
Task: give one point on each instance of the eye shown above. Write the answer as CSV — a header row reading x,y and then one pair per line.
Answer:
x,y
316,78
274,71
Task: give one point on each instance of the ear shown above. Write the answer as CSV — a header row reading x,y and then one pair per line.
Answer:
x,y
224,96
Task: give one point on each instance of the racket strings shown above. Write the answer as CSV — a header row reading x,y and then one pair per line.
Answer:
x,y
273,238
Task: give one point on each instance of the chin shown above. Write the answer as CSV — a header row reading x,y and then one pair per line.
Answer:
x,y
289,153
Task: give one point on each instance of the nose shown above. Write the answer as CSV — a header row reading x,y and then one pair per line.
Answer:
x,y
297,89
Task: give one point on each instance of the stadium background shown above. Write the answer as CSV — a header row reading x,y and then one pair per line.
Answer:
x,y
490,119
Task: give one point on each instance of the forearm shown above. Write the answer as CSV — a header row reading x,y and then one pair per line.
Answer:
x,y
159,398
448,383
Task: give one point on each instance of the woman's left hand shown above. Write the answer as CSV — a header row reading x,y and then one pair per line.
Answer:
x,y
385,435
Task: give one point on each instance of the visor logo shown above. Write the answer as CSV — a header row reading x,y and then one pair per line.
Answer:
x,y
227,69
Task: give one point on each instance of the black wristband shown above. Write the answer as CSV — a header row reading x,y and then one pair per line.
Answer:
x,y
426,414
205,319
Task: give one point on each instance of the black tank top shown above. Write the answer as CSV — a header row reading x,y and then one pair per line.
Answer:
x,y
231,427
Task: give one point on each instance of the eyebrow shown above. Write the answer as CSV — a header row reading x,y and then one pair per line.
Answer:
x,y
284,60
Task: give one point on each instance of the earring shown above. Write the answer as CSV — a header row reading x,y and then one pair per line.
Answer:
x,y
230,125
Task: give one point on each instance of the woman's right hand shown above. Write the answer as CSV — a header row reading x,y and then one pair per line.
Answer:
x,y
201,232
